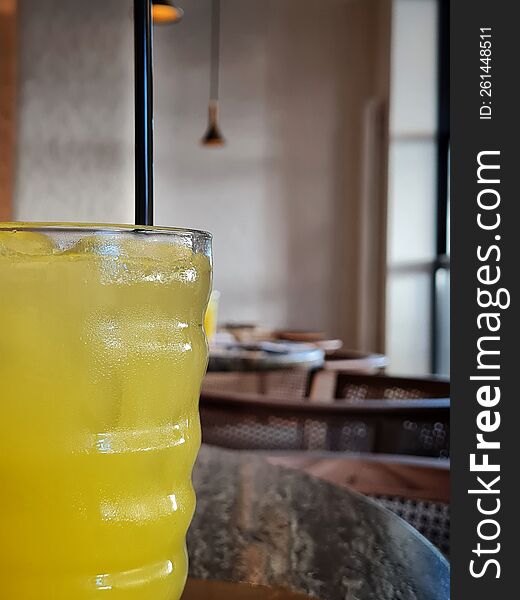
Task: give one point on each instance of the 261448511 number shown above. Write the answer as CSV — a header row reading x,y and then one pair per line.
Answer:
x,y
485,72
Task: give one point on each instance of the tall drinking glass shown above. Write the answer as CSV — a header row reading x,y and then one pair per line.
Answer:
x,y
102,354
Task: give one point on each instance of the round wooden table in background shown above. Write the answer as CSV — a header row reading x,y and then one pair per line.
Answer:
x,y
267,525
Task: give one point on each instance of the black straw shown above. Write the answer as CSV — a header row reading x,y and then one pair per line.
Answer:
x,y
143,112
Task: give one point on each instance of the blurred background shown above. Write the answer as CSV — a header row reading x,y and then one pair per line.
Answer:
x,y
328,201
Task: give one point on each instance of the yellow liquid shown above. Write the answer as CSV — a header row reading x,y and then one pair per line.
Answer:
x,y
102,354
210,319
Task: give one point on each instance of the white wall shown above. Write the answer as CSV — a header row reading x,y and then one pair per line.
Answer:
x,y
269,195
75,133
281,198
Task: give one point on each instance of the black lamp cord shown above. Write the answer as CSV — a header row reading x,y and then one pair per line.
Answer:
x,y
215,50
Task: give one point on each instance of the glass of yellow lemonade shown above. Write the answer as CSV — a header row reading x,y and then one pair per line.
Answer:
x,y
102,355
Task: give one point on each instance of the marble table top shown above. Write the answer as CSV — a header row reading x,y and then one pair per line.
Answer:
x,y
267,525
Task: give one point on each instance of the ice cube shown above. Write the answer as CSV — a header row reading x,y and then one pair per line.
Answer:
x,y
25,243
131,246
98,245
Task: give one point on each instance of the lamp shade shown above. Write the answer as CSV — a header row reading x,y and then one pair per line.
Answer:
x,y
213,138
165,11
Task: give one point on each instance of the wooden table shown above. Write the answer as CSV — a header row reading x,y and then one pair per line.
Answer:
x,y
264,524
